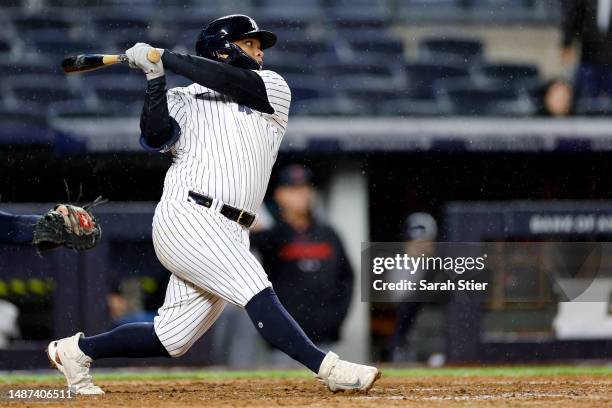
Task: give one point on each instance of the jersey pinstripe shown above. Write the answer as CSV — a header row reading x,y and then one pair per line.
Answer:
x,y
225,151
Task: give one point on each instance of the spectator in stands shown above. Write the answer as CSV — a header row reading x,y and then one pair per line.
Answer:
x,y
556,99
128,302
305,259
588,22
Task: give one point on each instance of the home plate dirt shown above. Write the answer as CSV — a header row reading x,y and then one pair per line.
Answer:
x,y
469,391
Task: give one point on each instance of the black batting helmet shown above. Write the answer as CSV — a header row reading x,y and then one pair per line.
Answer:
x,y
215,41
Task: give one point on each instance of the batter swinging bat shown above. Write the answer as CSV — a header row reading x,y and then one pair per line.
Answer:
x,y
90,62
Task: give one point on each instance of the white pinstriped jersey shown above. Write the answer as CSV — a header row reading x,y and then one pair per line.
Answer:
x,y
226,150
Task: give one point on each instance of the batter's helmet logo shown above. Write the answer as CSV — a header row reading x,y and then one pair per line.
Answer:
x,y
216,40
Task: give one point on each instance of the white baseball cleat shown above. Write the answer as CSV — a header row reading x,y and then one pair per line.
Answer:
x,y
340,375
67,357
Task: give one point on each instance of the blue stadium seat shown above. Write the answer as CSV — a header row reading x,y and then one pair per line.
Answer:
x,y
510,74
119,90
225,7
429,10
43,21
594,107
502,11
118,25
289,9
41,91
361,27
370,99
377,74
382,47
71,110
61,46
465,50
41,67
422,77
359,10
297,72
329,107
306,47
277,25
305,92
24,127
5,46
491,100
411,107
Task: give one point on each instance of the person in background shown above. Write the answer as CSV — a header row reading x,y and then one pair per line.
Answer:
x,y
305,259
420,232
556,99
587,22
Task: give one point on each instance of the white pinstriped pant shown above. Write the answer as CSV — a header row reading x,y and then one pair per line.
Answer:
x,y
211,265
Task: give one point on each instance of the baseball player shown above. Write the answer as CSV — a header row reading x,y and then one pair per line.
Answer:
x,y
224,132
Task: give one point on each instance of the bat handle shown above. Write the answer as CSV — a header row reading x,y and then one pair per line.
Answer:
x,y
154,55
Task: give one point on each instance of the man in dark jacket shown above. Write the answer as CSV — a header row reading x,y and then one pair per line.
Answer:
x,y
588,22
305,260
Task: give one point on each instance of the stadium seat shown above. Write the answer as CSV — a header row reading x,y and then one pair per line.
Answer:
x,y
71,110
24,127
380,46
491,100
276,25
361,27
510,72
376,74
594,107
429,10
411,107
304,92
465,50
360,10
297,72
328,107
370,99
501,10
120,90
5,46
43,21
122,25
307,47
217,8
289,9
58,47
41,91
422,77
40,67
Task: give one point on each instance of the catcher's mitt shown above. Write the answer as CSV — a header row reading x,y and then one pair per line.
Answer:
x,y
68,225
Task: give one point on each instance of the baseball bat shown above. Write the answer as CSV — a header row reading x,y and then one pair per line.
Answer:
x,y
89,62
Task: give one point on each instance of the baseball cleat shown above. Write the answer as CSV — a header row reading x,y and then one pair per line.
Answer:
x,y
340,375
67,357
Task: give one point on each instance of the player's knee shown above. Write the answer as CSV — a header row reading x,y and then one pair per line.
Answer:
x,y
179,351
173,347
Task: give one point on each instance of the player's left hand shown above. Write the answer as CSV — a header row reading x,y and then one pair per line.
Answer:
x,y
137,58
68,225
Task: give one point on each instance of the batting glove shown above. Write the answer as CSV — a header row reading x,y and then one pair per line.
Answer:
x,y
137,58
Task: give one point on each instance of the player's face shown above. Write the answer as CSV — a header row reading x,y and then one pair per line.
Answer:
x,y
252,46
295,199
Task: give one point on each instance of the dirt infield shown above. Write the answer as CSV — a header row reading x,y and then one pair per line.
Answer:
x,y
557,391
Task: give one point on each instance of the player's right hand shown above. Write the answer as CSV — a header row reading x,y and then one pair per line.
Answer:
x,y
137,58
